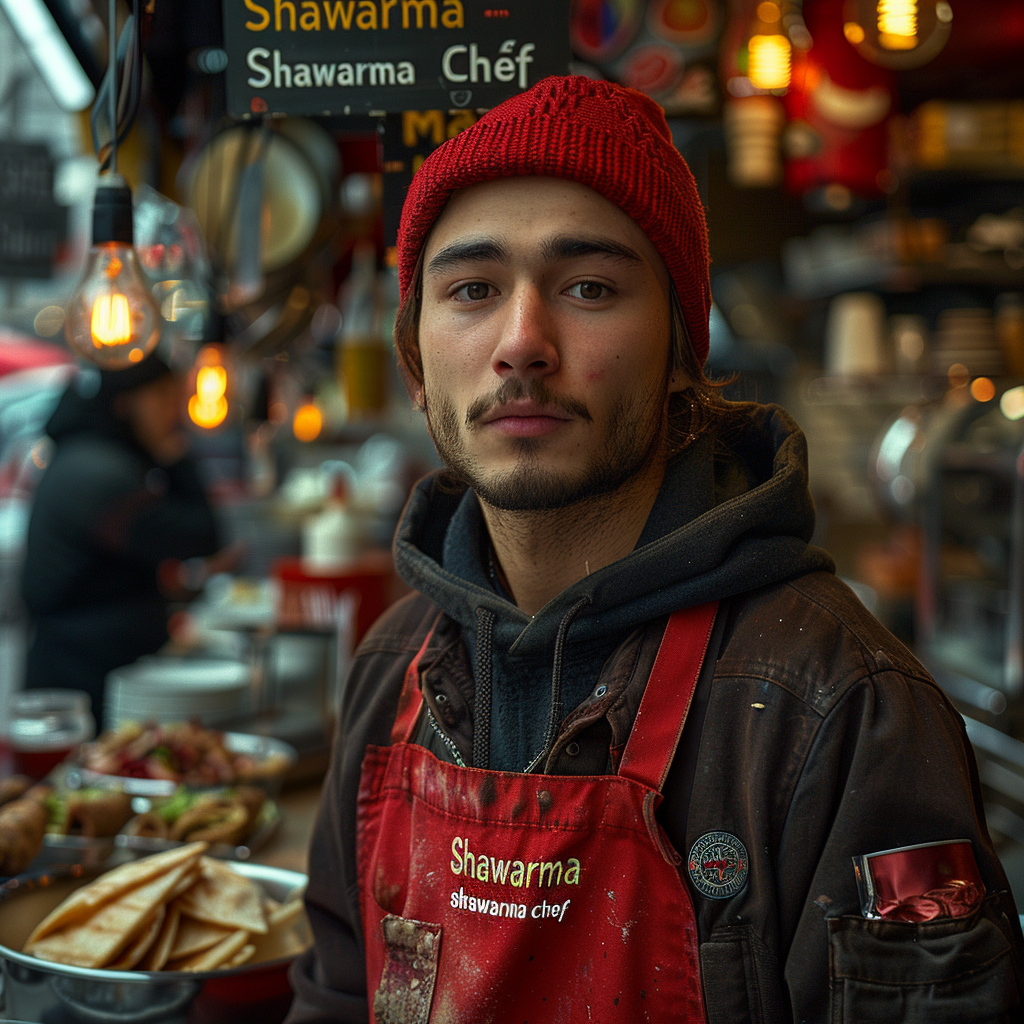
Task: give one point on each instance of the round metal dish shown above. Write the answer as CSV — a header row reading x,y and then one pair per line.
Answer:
x,y
257,747
38,990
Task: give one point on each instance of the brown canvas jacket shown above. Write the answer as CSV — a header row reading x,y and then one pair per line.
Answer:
x,y
814,736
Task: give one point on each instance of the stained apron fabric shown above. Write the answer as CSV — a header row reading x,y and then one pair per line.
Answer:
x,y
494,896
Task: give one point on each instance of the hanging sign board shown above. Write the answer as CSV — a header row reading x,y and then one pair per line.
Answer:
x,y
32,225
322,57
409,138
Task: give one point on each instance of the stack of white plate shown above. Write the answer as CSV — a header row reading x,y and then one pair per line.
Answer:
x,y
178,690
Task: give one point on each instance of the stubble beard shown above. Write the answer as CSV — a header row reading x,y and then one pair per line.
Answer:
x,y
633,438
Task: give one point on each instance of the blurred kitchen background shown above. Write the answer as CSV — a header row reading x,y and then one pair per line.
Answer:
x,y
864,184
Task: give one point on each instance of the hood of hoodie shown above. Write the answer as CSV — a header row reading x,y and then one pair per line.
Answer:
x,y
88,404
729,518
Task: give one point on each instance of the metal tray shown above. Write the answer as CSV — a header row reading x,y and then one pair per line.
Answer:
x,y
39,990
267,823
96,852
259,747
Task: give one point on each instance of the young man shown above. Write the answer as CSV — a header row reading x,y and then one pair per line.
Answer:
x,y
613,760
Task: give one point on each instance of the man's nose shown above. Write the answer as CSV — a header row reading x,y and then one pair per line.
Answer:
x,y
527,345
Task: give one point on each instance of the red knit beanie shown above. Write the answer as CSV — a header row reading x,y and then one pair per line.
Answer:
x,y
612,139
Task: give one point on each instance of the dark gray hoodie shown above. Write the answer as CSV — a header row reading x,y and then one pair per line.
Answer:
x,y
731,516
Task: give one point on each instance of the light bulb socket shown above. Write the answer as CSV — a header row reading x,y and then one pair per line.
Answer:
x,y
112,212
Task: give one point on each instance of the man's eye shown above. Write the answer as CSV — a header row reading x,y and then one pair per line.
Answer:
x,y
588,290
474,291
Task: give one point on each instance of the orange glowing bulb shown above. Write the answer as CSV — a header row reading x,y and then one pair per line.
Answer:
x,y
211,383
207,414
770,57
308,422
897,24
983,390
208,407
111,322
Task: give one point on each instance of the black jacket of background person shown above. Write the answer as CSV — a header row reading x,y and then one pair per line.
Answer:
x,y
104,517
814,736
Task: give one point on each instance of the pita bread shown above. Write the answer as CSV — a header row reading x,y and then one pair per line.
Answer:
x,y
285,913
159,952
289,936
244,954
98,940
214,957
110,886
195,936
141,946
224,897
187,881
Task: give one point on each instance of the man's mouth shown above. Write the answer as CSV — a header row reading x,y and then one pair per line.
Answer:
x,y
525,419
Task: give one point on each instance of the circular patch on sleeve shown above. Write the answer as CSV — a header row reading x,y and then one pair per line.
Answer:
x,y
718,865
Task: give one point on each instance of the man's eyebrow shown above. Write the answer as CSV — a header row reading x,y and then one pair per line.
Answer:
x,y
472,251
567,247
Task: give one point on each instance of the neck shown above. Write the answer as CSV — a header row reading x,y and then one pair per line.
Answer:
x,y
540,554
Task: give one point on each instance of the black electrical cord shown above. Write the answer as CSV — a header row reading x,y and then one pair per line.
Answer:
x,y
125,76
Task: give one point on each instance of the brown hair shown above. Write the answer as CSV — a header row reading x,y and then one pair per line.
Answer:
x,y
692,411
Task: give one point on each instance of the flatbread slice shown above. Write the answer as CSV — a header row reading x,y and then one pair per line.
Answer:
x,y
244,954
159,952
214,957
195,936
187,881
114,883
285,913
99,939
224,897
136,950
288,937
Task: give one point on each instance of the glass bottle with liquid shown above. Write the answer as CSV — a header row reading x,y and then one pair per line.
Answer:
x,y
363,358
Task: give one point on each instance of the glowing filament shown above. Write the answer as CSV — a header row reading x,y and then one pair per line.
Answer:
x,y
211,383
208,407
111,320
769,66
897,24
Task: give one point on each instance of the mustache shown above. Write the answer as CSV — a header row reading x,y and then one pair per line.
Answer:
x,y
514,389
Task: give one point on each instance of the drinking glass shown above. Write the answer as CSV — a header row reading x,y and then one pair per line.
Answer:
x,y
44,726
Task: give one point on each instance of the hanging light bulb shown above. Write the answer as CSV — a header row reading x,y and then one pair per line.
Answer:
x,y
898,34
208,406
112,319
769,50
308,422
897,24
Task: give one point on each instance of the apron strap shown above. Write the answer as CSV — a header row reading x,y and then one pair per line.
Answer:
x,y
666,702
411,699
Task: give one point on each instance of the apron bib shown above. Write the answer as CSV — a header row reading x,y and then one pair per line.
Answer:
x,y
499,896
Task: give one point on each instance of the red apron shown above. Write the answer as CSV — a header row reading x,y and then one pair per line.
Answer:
x,y
499,896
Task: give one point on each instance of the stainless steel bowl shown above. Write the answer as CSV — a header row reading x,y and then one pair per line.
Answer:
x,y
260,748
38,990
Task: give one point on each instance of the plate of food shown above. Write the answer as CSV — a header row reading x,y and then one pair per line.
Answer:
x,y
153,760
235,822
49,824
173,934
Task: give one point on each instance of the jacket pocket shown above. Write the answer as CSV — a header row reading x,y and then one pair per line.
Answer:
x,y
406,988
955,970
740,978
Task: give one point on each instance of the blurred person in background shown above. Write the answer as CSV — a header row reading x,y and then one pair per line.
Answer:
x,y
117,512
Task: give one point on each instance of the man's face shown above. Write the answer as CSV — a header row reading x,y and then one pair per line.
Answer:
x,y
544,337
